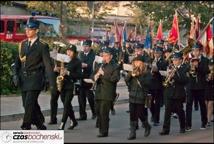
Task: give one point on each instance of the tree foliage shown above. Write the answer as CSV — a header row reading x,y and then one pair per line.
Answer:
x,y
8,53
165,10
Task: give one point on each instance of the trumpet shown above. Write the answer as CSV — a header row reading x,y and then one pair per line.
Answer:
x,y
169,81
60,78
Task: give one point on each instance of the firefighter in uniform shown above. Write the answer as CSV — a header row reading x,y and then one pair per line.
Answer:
x,y
174,83
106,77
34,60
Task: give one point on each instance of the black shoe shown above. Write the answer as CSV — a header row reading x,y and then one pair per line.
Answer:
x,y
93,116
73,126
62,126
52,122
182,130
81,118
102,135
196,108
188,129
156,124
147,131
128,111
41,127
137,127
113,112
164,133
203,127
25,127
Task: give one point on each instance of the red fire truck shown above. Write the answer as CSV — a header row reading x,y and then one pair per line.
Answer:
x,y
12,27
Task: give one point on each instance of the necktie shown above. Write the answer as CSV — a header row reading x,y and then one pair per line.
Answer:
x,y
28,47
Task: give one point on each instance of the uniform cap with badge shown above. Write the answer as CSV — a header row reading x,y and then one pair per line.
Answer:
x,y
32,23
87,42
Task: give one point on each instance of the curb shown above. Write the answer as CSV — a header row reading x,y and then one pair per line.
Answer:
x,y
15,117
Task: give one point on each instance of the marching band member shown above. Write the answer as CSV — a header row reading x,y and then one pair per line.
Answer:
x,y
138,82
174,83
71,73
198,72
157,88
106,76
87,57
209,91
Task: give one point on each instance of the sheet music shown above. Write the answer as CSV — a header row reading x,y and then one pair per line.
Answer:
x,y
88,80
60,57
163,73
127,67
98,59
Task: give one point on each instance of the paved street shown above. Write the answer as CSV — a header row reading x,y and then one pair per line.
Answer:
x,y
119,129
12,111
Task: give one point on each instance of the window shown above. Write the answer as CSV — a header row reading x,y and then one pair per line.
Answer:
x,y
1,26
10,26
20,24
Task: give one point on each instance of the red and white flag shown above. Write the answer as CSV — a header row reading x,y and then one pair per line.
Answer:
x,y
174,32
206,40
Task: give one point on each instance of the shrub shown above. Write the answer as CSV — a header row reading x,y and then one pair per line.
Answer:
x,y
9,51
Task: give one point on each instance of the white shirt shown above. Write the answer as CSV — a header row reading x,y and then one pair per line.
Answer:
x,y
32,40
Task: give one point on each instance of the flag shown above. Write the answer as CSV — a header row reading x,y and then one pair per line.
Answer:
x,y
117,33
124,35
148,40
159,32
135,33
193,27
197,27
174,32
206,40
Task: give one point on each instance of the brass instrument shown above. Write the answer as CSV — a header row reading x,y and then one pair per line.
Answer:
x,y
185,50
60,78
154,66
193,70
95,80
210,76
168,80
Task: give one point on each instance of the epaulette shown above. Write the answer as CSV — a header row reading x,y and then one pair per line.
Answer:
x,y
42,41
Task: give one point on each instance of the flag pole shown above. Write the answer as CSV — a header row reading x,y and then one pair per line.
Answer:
x,y
179,42
204,29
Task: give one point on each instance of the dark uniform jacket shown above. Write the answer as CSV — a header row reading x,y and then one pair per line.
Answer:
x,y
157,79
199,82
106,84
138,87
31,71
89,59
176,90
75,69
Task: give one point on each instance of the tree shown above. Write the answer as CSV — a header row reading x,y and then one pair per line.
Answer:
x,y
165,10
